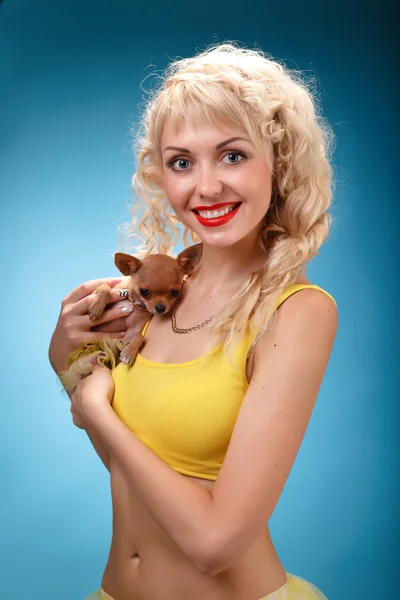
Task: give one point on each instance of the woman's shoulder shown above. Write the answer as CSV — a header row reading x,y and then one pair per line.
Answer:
x,y
302,283
309,301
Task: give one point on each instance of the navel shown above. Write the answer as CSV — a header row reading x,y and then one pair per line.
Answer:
x,y
134,553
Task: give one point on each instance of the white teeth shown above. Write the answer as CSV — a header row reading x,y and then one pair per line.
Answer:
x,y
212,214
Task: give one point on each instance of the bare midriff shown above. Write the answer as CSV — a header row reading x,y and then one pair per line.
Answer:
x,y
145,563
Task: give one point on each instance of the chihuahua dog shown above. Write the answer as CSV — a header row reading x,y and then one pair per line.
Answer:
x,y
153,284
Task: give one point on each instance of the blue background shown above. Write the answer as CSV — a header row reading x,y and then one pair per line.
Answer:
x,y
70,77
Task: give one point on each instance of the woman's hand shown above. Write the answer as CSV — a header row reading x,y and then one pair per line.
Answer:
x,y
74,327
92,394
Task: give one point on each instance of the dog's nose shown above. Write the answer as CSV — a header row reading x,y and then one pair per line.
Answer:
x,y
160,308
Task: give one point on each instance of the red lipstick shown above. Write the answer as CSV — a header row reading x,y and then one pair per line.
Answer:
x,y
216,221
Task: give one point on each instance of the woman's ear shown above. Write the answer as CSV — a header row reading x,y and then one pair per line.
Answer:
x,y
127,264
189,258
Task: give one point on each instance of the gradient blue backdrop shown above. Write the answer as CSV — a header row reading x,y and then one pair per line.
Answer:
x,y
70,77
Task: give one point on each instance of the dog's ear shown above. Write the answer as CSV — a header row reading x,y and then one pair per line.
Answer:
x,y
127,264
189,258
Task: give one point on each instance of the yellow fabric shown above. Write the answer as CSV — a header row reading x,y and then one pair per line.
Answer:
x,y
186,412
295,588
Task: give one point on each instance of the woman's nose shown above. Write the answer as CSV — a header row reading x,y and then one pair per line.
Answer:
x,y
209,183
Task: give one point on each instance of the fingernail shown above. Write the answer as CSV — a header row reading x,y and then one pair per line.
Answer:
x,y
127,309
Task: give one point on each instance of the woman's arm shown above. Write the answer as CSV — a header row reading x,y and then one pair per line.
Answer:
x,y
99,447
74,328
289,366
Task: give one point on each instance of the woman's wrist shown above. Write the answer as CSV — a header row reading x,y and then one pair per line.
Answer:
x,y
98,413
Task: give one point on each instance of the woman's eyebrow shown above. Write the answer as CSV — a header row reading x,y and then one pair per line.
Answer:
x,y
233,139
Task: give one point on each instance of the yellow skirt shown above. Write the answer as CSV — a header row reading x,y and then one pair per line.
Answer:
x,y
295,588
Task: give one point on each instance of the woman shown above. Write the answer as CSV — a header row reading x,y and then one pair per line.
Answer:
x,y
200,434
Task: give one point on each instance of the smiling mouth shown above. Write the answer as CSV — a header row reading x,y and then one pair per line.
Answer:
x,y
218,216
216,213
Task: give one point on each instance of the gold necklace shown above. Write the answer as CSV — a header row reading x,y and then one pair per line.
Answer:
x,y
176,329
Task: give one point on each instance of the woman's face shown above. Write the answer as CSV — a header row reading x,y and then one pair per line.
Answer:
x,y
217,186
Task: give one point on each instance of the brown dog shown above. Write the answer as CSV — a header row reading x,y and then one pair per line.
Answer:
x,y
153,284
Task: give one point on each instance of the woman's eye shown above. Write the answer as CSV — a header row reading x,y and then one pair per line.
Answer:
x,y
182,163
234,155
145,293
174,293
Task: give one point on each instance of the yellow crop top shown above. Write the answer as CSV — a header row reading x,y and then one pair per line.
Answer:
x,y
186,412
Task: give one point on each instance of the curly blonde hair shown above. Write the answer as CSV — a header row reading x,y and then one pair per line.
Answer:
x,y
278,109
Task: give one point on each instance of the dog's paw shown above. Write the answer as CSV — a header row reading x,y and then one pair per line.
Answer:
x,y
96,309
126,360
127,357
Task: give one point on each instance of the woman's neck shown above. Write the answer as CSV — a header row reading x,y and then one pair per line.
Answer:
x,y
228,267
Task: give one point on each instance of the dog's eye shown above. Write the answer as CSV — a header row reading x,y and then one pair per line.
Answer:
x,y
175,293
145,293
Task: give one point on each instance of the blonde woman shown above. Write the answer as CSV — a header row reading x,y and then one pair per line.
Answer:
x,y
201,433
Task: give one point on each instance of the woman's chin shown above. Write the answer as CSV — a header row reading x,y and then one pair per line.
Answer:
x,y
224,237
220,239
